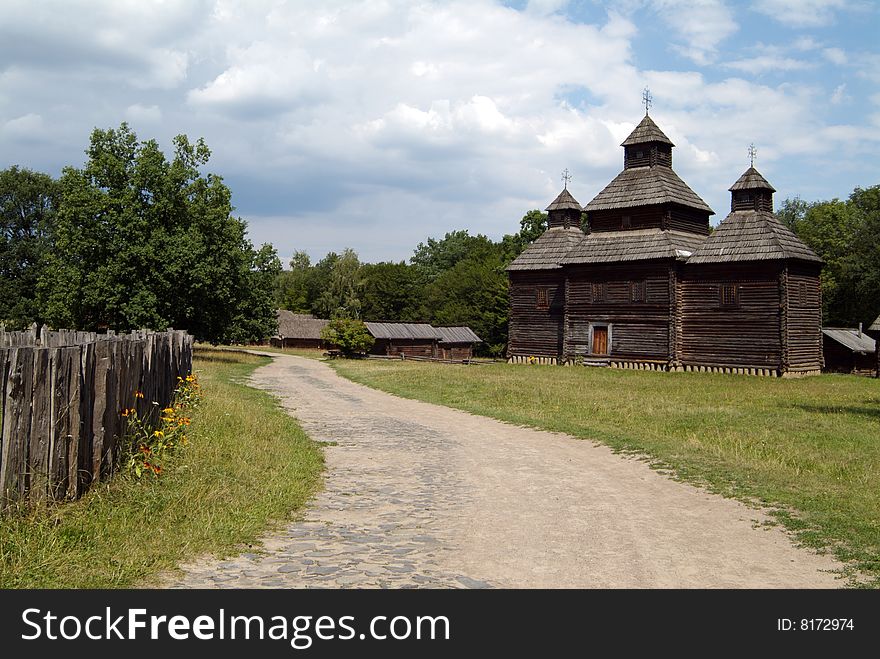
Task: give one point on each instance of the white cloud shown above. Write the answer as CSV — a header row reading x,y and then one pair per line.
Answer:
x,y
701,24
839,95
765,63
800,13
143,114
26,127
835,55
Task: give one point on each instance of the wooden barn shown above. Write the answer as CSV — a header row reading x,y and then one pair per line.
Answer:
x,y
456,343
848,351
651,287
298,330
409,339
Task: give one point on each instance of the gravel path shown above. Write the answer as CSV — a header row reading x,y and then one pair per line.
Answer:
x,y
418,495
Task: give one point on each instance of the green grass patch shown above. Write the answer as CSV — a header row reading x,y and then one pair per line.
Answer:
x,y
807,448
247,465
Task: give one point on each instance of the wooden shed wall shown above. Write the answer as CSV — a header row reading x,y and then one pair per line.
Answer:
x,y
748,335
639,330
407,347
840,359
533,331
456,351
804,317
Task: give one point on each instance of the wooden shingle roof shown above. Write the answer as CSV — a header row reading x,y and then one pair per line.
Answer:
x,y
751,180
298,325
643,186
634,245
875,326
646,131
752,236
548,250
564,201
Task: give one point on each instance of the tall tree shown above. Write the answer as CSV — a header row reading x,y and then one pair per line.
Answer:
x,y
341,286
391,292
141,241
28,202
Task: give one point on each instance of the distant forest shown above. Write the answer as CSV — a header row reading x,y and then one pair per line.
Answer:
x,y
138,240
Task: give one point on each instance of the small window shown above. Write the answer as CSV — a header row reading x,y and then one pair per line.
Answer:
x,y
729,294
640,154
542,297
802,293
625,222
598,291
637,291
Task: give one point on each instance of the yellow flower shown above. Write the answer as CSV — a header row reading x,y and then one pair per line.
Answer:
x,y
158,433
168,410
138,394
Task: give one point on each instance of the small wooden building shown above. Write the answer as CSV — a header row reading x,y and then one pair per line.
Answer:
x,y
298,330
409,339
456,342
874,332
848,351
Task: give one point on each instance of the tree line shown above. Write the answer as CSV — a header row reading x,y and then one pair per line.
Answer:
x,y
459,279
132,240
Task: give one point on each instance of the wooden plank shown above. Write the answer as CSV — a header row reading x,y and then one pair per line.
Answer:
x,y
16,426
40,437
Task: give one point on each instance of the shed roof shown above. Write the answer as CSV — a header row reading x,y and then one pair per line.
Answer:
x,y
548,250
564,201
643,186
752,236
646,131
458,335
751,179
402,331
875,326
634,245
299,325
850,338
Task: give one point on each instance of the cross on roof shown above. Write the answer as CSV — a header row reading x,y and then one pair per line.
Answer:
x,y
647,100
566,177
752,153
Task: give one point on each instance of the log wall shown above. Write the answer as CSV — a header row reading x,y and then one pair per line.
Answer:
x,y
61,397
804,318
534,331
639,330
747,335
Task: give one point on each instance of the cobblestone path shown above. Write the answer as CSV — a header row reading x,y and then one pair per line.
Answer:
x,y
418,495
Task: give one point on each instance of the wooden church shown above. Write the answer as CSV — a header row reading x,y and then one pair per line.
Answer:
x,y
651,286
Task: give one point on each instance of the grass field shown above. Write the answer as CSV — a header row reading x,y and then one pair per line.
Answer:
x,y
247,464
809,448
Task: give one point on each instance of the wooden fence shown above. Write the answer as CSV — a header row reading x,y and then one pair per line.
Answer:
x,y
61,398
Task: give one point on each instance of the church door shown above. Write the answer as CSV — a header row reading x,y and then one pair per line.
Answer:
x,y
600,340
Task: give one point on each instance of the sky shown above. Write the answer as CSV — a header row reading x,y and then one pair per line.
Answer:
x,y
376,124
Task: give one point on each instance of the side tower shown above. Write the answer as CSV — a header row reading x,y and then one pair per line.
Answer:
x,y
537,286
750,297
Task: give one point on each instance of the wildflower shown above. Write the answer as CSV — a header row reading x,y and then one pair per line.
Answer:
x,y
125,412
138,394
168,410
158,433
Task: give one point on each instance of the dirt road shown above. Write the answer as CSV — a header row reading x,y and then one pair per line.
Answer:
x,y
422,495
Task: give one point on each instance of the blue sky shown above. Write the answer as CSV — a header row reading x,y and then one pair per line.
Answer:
x,y
376,124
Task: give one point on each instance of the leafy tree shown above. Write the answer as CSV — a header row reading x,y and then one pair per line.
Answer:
x,y
864,208
532,226
391,292
792,212
434,257
141,241
28,202
350,335
341,285
297,288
